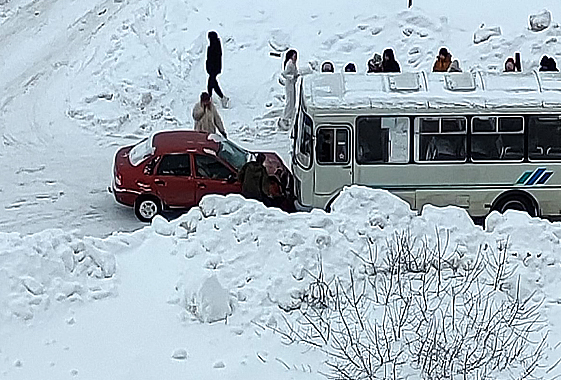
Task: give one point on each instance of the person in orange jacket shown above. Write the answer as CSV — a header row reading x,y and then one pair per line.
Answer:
x,y
443,60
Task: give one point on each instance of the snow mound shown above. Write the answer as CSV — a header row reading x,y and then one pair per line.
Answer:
x,y
48,268
485,33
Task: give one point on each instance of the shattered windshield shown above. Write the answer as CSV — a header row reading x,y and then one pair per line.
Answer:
x,y
233,154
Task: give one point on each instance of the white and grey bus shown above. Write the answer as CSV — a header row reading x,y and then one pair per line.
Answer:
x,y
481,141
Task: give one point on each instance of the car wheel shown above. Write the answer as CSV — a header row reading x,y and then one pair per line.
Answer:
x,y
146,208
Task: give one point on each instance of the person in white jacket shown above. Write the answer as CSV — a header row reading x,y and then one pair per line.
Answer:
x,y
290,75
206,116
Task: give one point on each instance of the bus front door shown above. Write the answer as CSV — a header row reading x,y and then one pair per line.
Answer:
x,y
333,166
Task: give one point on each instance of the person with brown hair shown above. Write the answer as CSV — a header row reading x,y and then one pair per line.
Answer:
x,y
206,116
510,66
443,60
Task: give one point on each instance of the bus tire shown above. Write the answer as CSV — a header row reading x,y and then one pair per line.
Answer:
x,y
520,201
147,207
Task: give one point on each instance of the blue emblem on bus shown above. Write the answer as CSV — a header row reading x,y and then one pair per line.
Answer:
x,y
537,177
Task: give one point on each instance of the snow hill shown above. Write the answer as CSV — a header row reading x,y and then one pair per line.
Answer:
x,y
87,291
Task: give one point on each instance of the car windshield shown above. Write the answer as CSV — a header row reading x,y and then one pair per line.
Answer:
x,y
141,151
233,154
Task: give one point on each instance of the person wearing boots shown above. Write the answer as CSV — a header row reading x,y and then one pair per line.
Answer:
x,y
214,67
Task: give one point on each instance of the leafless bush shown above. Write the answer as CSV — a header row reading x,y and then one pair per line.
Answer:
x,y
422,310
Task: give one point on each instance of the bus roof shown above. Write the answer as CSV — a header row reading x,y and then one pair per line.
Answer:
x,y
423,91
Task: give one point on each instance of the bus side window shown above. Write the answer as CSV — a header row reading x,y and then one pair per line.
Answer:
x,y
544,138
497,138
442,139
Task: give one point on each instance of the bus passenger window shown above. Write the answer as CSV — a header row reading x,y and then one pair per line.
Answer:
x,y
544,141
441,139
497,138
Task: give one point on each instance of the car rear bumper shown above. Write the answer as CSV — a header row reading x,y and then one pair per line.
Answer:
x,y
122,196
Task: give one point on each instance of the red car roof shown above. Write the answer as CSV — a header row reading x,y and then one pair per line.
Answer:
x,y
181,141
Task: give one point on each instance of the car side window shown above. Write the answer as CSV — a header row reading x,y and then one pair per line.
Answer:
x,y
210,167
175,164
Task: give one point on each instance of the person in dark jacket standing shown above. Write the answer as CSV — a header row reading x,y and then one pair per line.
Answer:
x,y
255,180
389,64
214,67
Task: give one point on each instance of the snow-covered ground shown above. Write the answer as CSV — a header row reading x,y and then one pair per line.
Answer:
x,y
83,296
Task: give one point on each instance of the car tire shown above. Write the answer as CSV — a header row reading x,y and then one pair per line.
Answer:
x,y
147,207
517,202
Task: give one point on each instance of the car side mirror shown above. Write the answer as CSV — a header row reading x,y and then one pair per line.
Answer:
x,y
231,178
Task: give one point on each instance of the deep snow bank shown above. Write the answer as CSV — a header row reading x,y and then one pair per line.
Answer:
x,y
43,270
253,269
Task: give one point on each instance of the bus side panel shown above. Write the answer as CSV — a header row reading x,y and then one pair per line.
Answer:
x,y
304,186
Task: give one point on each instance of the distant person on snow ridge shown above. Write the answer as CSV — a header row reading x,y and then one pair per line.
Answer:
x,y
206,116
214,67
350,68
290,75
327,67
375,64
443,61
548,64
510,66
389,64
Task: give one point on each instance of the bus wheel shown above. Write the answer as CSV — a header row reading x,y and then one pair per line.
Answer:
x,y
519,202
147,207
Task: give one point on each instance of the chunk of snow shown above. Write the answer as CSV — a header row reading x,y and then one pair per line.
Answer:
x,y
219,365
213,301
484,33
161,226
179,354
540,21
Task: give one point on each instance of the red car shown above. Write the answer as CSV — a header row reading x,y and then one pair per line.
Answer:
x,y
175,169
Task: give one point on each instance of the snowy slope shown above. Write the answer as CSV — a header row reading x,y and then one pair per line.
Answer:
x,y
81,78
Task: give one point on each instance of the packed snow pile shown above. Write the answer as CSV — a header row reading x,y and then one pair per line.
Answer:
x,y
260,266
50,268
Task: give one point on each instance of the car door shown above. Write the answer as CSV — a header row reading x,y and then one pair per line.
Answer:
x,y
214,177
174,182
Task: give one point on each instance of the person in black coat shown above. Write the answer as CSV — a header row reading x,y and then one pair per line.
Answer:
x,y
214,66
389,64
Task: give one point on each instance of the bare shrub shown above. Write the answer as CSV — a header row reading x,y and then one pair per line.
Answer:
x,y
422,310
